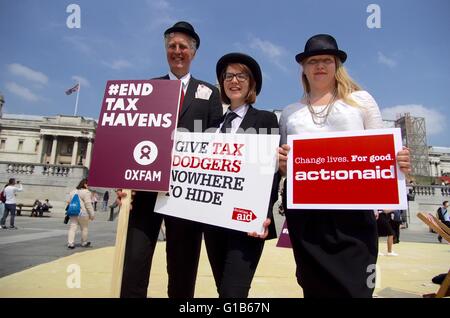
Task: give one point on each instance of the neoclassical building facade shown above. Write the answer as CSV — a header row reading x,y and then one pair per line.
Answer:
x,y
53,140
49,154
439,160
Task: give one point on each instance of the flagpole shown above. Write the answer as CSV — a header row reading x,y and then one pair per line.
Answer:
x,y
76,102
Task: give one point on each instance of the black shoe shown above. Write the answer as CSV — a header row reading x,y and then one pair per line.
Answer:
x,y
71,246
12,227
440,239
4,227
87,244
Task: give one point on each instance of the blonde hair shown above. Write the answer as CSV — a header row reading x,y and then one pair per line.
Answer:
x,y
345,85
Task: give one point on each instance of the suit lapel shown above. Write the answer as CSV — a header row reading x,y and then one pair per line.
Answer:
x,y
249,119
190,94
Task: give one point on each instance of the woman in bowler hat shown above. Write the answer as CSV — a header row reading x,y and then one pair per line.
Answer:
x,y
335,251
234,255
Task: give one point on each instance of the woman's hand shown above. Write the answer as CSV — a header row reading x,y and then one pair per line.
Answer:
x,y
282,158
265,233
404,160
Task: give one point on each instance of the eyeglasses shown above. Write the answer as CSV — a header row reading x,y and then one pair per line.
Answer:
x,y
314,61
241,77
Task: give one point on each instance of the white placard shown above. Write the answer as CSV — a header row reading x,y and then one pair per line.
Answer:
x,y
221,179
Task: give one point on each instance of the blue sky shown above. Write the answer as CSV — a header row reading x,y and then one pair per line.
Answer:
x,y
404,64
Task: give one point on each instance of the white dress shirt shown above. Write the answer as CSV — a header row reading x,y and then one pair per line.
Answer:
x,y
184,80
235,123
296,117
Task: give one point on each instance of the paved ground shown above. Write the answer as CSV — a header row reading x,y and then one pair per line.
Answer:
x,y
34,262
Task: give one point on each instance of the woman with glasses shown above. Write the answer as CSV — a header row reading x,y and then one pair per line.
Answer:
x,y
234,255
335,251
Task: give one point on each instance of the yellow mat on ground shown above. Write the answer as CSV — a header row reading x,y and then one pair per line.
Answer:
x,y
88,274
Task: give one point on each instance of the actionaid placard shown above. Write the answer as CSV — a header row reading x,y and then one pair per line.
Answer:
x,y
345,170
134,137
221,179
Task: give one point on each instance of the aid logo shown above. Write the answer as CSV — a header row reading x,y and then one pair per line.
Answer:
x,y
243,215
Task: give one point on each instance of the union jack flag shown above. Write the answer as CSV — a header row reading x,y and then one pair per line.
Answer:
x,y
73,89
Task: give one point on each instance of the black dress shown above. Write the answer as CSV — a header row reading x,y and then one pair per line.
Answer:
x,y
335,251
384,225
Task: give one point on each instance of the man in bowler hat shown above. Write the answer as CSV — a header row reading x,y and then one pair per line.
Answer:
x,y
201,108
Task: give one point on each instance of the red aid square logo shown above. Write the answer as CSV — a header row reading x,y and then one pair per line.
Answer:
x,y
345,170
243,215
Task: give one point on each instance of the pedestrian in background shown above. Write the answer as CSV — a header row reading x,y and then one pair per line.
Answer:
x,y
82,220
105,201
10,202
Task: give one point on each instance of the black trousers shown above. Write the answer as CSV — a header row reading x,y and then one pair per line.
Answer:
x,y
183,244
335,252
396,227
233,256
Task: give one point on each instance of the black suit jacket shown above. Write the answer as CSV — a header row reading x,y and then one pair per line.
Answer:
x,y
197,113
441,214
261,122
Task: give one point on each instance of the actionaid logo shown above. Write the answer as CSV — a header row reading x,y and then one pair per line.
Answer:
x,y
243,215
367,174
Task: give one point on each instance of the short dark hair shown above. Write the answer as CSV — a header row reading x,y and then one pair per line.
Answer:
x,y
82,183
251,96
444,203
11,181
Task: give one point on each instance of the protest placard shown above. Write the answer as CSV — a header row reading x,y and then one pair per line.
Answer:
x,y
345,170
221,179
134,137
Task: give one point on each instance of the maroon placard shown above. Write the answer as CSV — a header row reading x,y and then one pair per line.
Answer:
x,y
134,137
283,239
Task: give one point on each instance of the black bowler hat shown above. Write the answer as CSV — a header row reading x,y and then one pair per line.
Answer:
x,y
321,44
241,58
186,28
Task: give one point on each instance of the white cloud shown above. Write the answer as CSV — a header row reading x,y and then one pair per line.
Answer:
x,y
159,4
28,73
161,14
273,52
84,82
383,59
435,121
22,92
80,43
117,64
268,48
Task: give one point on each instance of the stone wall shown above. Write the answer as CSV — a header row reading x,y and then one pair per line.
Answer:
x,y
42,181
426,199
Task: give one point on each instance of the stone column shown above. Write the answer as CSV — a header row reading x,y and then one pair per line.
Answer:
x,y
40,148
87,163
74,152
53,155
